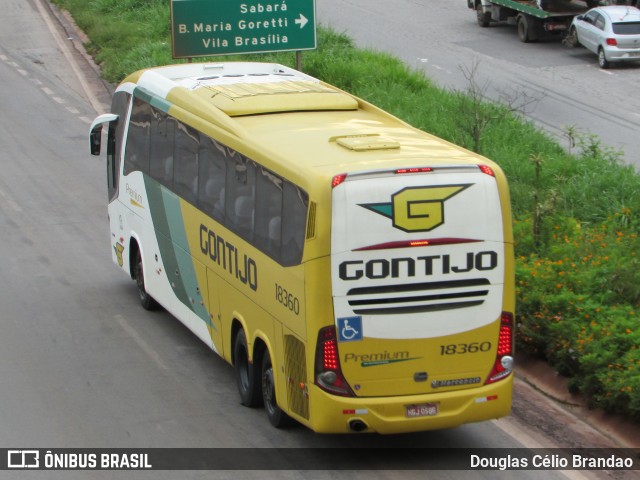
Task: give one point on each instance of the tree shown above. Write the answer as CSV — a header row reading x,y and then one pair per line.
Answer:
x,y
477,113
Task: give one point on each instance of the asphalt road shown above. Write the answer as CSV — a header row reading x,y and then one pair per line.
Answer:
x,y
442,38
81,364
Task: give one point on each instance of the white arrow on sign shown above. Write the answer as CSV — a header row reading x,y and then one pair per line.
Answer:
x,y
302,21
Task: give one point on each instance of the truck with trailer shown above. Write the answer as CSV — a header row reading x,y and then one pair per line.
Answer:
x,y
531,17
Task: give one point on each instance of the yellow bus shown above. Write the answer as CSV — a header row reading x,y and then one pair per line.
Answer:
x,y
357,272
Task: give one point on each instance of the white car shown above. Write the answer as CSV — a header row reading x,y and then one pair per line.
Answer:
x,y
612,33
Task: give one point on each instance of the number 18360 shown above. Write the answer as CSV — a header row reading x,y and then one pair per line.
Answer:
x,y
287,299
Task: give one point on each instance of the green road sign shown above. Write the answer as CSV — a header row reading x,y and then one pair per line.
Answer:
x,y
224,27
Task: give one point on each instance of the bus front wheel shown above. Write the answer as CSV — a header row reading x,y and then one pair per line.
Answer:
x,y
276,416
247,376
146,300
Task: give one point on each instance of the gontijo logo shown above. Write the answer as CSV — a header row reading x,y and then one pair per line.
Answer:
x,y
417,209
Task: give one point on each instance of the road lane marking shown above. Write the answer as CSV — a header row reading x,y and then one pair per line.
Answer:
x,y
97,106
48,91
11,204
146,348
94,102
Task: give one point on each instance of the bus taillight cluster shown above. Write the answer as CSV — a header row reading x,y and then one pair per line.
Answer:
x,y
328,373
504,355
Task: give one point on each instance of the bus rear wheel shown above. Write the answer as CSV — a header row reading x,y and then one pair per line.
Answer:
x,y
146,300
276,416
247,376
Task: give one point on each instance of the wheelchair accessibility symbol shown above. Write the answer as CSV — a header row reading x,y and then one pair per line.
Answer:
x,y
350,329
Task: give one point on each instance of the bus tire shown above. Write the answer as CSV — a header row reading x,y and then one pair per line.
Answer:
x,y
276,416
247,376
146,300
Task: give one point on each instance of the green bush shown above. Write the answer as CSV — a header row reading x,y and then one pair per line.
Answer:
x,y
577,307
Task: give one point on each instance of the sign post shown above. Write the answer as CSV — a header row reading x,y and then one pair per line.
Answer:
x,y
226,27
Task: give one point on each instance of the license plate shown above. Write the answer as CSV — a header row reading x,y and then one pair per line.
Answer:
x,y
422,410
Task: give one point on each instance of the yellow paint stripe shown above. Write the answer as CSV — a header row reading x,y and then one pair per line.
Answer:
x,y
135,204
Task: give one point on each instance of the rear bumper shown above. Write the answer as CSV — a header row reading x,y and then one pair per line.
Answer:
x,y
387,415
622,55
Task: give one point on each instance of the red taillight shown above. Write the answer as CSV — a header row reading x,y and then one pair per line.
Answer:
x,y
612,42
503,365
330,360
415,170
486,169
338,179
328,375
505,340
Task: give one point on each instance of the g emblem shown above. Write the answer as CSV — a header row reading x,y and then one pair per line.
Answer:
x,y
417,209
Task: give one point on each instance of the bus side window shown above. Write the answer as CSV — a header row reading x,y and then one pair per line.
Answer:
x,y
162,144
294,220
240,195
112,173
137,150
211,178
185,170
119,106
268,218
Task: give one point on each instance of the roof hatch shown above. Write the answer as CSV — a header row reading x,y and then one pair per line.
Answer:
x,y
249,94
366,142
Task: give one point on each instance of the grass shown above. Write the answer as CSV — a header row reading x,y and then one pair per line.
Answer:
x,y
575,214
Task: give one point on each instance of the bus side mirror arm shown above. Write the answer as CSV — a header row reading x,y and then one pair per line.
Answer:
x,y
95,135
